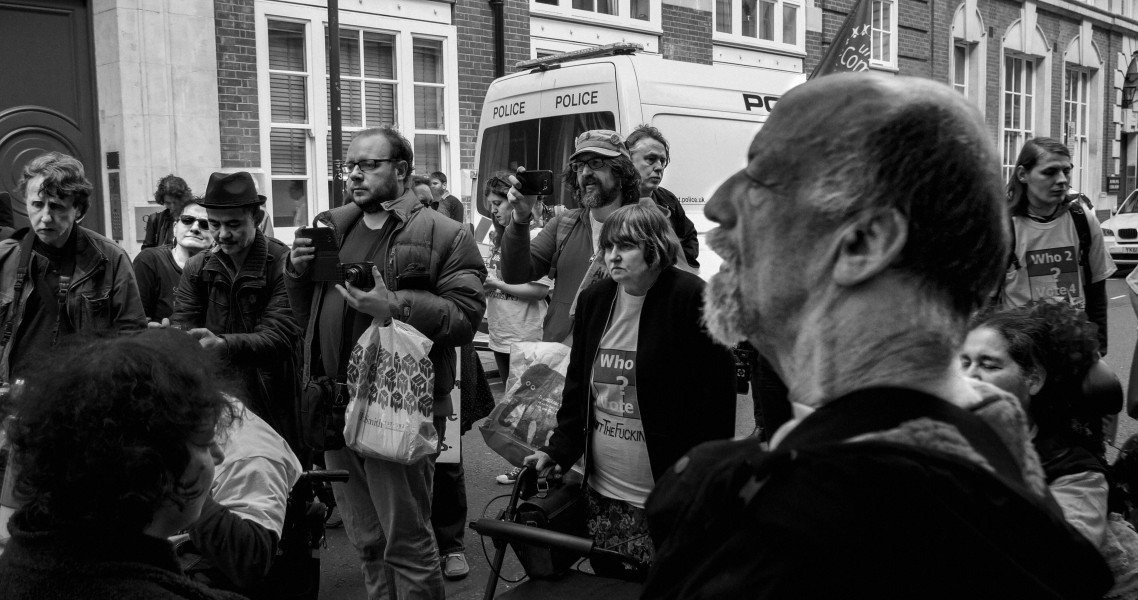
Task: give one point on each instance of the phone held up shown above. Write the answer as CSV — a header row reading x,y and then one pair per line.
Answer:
x,y
327,265
535,183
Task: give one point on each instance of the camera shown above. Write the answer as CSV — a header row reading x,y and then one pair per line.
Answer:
x,y
357,274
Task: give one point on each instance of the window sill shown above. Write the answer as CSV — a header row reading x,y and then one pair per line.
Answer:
x,y
735,41
585,17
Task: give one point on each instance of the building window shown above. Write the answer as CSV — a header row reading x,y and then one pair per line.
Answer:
x,y
1075,131
960,69
1018,109
289,128
881,32
430,105
774,21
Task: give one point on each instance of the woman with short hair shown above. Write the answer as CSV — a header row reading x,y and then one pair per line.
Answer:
x,y
645,383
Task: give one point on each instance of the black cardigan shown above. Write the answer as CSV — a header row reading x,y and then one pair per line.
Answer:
x,y
685,381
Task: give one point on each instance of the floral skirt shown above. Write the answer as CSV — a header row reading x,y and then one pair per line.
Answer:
x,y
618,526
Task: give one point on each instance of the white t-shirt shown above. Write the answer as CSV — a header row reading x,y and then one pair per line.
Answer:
x,y
1048,256
621,469
509,319
258,472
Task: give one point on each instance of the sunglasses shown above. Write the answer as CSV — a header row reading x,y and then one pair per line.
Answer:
x,y
189,221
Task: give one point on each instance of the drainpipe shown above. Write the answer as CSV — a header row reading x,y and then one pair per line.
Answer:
x,y
334,98
497,7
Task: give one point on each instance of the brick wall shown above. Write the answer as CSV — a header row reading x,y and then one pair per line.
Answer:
x,y
237,83
475,24
687,34
913,50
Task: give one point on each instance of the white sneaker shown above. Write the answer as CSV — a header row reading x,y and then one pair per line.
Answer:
x,y
509,477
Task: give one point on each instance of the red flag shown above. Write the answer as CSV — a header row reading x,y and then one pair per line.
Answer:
x,y
850,50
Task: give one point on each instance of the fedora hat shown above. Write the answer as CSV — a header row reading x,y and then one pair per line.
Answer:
x,y
231,190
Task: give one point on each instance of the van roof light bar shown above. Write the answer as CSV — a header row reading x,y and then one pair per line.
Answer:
x,y
606,50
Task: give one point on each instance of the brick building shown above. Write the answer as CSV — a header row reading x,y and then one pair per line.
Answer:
x,y
194,86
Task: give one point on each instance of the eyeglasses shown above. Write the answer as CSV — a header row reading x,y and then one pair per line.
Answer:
x,y
189,221
594,164
366,165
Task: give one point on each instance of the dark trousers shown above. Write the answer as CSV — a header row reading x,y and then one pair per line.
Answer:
x,y
448,507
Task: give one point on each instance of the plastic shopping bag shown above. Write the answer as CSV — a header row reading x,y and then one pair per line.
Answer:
x,y
391,384
526,418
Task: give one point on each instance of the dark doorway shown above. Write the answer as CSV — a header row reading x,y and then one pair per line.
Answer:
x,y
47,98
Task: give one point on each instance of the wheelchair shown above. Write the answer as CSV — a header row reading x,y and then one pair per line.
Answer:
x,y
295,572
548,556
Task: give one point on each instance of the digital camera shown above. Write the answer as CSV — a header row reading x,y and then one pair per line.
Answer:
x,y
357,274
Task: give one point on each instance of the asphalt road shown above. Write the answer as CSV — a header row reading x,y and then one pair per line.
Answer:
x,y
341,577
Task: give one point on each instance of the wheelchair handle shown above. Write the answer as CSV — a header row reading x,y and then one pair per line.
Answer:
x,y
323,476
524,534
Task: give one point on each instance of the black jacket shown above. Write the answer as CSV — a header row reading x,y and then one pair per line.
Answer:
x,y
824,517
685,381
252,313
684,228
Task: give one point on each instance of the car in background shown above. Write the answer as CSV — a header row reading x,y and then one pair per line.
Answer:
x,y
1120,233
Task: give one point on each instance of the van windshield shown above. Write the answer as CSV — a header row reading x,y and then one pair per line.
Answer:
x,y
535,144
1130,205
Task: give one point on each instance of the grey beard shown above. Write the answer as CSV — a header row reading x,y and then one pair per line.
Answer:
x,y
595,199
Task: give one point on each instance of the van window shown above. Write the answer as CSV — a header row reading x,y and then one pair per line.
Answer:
x,y
535,144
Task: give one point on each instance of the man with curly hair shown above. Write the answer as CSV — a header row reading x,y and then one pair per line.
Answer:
x,y
61,278
601,177
174,194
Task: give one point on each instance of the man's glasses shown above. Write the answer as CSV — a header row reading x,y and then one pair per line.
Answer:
x,y
366,165
189,221
594,164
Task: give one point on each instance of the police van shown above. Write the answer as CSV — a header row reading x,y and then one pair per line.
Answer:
x,y
709,114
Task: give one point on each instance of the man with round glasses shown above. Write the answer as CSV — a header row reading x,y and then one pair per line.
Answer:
x,y
159,269
601,178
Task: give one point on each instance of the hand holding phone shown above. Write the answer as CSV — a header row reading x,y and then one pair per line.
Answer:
x,y
535,183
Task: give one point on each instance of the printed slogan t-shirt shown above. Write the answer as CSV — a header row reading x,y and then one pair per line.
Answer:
x,y
620,456
1049,261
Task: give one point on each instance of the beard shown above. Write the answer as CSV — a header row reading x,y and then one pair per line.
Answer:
x,y
370,204
598,197
723,311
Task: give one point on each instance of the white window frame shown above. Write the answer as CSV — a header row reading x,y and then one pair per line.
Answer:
x,y
961,76
415,20
879,8
968,30
1012,138
1076,126
563,10
307,127
735,35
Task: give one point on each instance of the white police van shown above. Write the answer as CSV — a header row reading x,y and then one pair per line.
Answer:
x,y
709,114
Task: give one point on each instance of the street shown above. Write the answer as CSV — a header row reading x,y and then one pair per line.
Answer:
x,y
341,578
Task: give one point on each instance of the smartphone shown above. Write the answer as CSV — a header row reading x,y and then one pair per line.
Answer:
x,y
536,183
326,266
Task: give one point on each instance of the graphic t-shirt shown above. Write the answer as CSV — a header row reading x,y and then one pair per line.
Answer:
x,y
510,319
1048,256
620,456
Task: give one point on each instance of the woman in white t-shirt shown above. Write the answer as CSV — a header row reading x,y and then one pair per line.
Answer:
x,y
514,312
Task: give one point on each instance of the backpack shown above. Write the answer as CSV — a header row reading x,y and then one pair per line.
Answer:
x,y
565,226
1082,231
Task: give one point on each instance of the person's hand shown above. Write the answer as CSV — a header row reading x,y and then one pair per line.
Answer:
x,y
521,205
303,253
492,282
541,462
208,339
379,302
156,325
